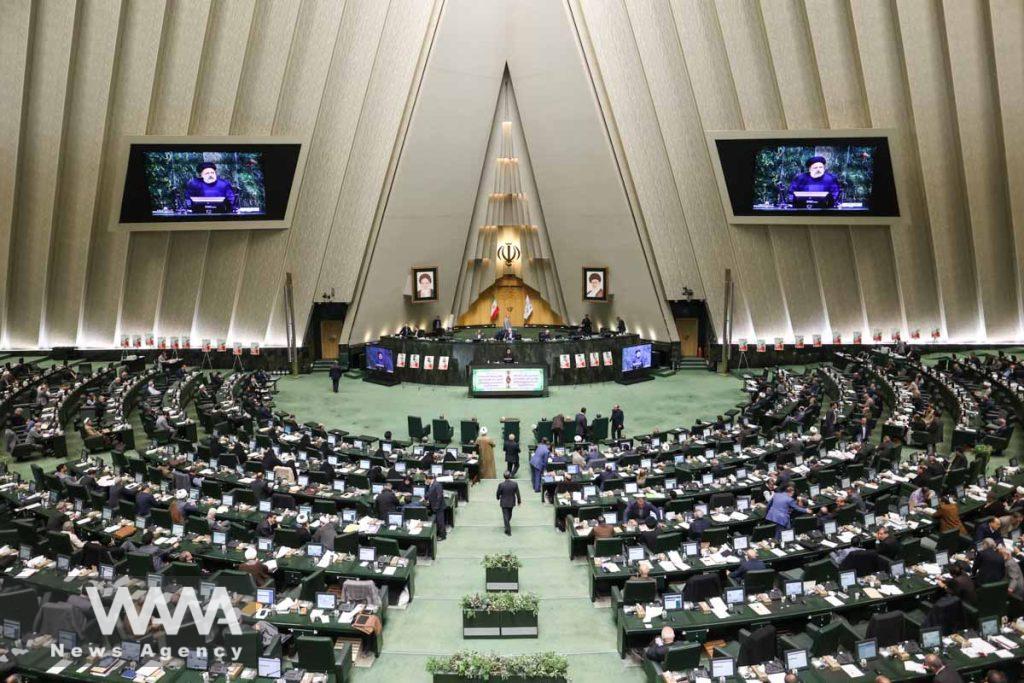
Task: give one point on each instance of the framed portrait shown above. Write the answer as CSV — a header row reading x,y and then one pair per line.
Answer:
x,y
581,360
595,284
442,362
424,284
401,360
428,362
595,359
606,356
414,361
564,361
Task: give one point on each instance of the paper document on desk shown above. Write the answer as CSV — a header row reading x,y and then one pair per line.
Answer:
x,y
389,571
834,601
852,671
584,532
721,519
667,565
872,593
913,667
610,567
760,609
829,544
59,666
271,566
983,646
889,589
778,552
738,516
1004,654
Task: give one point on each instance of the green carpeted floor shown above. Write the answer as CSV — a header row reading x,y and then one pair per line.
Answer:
x,y
569,623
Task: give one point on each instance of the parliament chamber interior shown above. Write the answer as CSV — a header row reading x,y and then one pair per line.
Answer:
x,y
664,341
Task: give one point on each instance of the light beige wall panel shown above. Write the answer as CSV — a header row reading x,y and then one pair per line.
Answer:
x,y
428,213
272,36
834,257
1008,47
128,113
842,85
223,266
712,81
388,97
796,77
174,92
49,62
302,93
223,56
976,98
885,90
686,147
356,48
15,30
88,98
761,108
622,74
934,120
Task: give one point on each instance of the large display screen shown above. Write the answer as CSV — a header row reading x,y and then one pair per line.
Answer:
x,y
507,381
380,359
210,183
805,178
636,357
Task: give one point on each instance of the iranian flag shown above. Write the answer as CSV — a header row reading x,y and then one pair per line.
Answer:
x,y
494,310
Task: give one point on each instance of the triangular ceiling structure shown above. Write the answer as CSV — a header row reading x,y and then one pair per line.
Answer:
x,y
507,217
430,203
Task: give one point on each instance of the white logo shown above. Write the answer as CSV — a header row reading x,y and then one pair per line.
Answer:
x,y
156,601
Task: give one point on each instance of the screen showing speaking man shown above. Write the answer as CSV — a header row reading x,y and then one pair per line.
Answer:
x,y
805,178
205,183
378,358
636,357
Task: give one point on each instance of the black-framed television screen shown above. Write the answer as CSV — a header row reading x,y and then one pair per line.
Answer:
x,y
380,359
636,358
805,178
216,183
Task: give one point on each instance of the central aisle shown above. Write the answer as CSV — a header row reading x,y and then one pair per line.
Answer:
x,y
569,623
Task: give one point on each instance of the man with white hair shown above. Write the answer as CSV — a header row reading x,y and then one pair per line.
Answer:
x,y
657,650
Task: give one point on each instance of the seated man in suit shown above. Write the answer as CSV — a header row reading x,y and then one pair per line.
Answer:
x,y
988,564
261,490
144,501
699,525
750,562
886,544
959,585
990,530
657,650
267,527
941,673
639,509
650,533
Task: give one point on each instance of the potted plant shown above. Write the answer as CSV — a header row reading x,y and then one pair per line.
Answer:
x,y
478,619
500,615
519,618
501,572
547,667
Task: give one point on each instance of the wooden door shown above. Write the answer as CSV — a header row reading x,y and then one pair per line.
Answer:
x,y
330,334
687,329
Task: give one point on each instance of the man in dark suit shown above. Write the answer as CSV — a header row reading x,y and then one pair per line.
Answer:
x,y
435,501
512,454
750,562
386,502
699,525
618,422
863,432
581,423
991,529
640,510
335,373
939,671
886,544
650,533
988,564
828,425
144,501
267,527
508,497
260,487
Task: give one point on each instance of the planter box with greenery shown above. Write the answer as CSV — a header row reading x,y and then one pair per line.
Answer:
x,y
501,572
547,667
500,615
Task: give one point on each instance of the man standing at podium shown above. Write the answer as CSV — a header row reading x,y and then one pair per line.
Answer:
x,y
815,180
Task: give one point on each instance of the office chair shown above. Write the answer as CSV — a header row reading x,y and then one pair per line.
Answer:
x,y
701,587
